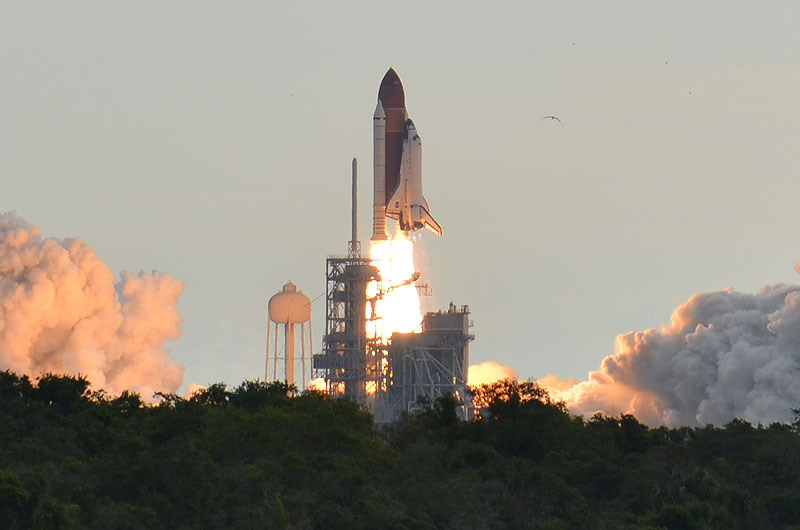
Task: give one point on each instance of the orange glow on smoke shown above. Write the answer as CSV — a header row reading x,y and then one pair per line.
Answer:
x,y
397,305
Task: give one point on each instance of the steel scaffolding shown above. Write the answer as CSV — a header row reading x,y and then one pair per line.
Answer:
x,y
427,365
344,361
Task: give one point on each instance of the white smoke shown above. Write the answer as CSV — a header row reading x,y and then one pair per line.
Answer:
x,y
61,312
725,355
488,372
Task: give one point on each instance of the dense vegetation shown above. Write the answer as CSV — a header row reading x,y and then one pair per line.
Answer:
x,y
259,456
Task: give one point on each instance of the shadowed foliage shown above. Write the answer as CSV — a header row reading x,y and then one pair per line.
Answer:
x,y
266,456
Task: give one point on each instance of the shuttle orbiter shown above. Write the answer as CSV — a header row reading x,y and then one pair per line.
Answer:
x,y
397,164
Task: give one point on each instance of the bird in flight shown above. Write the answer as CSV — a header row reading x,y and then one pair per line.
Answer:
x,y
552,118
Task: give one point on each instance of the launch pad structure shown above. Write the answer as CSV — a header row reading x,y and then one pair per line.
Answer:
x,y
428,365
389,379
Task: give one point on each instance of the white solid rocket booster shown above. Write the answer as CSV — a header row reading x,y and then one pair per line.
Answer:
x,y
379,174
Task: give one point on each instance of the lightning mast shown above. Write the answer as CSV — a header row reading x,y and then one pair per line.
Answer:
x,y
354,247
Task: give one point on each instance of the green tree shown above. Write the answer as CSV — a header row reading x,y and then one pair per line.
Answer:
x,y
63,392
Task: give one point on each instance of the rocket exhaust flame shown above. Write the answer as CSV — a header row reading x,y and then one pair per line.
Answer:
x,y
394,303
397,304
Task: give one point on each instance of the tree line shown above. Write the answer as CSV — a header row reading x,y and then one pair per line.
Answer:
x,y
265,456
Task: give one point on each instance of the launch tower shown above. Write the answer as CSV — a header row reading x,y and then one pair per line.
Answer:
x,y
345,362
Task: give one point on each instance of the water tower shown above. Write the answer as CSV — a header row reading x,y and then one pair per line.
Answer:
x,y
285,309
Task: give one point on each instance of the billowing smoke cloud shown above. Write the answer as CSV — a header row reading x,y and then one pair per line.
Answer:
x,y
192,389
61,312
488,372
725,355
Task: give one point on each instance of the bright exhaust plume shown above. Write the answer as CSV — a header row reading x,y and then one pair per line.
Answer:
x,y
397,304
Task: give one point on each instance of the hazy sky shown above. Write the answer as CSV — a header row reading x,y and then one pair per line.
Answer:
x,y
212,141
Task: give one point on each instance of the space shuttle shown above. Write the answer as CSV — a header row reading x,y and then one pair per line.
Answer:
x,y
397,165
